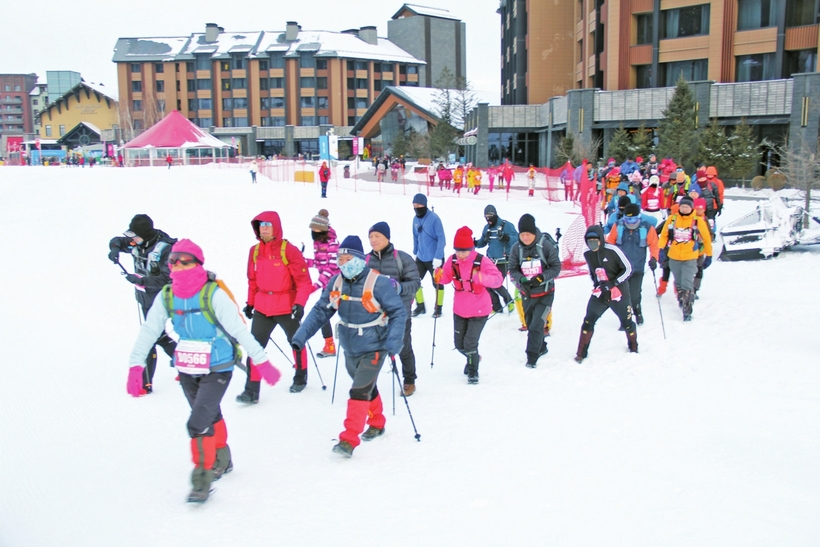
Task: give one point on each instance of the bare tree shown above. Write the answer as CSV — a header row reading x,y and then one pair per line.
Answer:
x,y
802,168
126,120
465,101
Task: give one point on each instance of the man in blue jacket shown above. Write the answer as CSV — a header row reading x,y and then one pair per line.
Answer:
x,y
500,235
371,327
428,247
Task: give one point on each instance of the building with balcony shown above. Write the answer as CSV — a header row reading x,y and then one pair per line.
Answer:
x,y
38,99
270,92
15,106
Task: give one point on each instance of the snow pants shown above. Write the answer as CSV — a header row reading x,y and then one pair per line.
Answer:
x,y
425,267
324,189
622,308
501,292
684,272
466,332
365,403
536,311
408,358
261,329
635,284
209,435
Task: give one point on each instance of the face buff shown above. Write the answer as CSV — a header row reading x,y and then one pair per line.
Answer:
x,y
593,244
421,211
352,267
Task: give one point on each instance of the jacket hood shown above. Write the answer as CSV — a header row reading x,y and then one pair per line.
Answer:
x,y
711,171
595,231
623,186
268,216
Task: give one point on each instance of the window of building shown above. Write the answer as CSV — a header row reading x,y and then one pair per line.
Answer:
x,y
361,83
308,148
321,64
387,67
797,62
351,83
752,14
136,87
204,122
263,64
138,125
643,75
238,61
8,88
227,104
754,68
308,120
321,82
62,130
189,66
135,67
226,84
264,84
351,103
324,120
308,82
203,62
205,104
192,85
264,103
800,12
361,103
160,86
48,131
136,106
411,84
160,105
643,23
351,120
520,148
159,68
306,59
240,122
402,69
203,84
277,102
277,83
239,83
191,104
227,122
34,102
692,71
687,21
351,65
361,65
179,103
225,66
308,102
277,59
321,102
274,121
240,103
413,69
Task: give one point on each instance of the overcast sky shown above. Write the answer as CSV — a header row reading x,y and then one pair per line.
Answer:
x,y
81,37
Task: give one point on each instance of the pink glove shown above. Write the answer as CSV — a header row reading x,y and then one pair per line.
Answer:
x,y
615,294
268,373
134,385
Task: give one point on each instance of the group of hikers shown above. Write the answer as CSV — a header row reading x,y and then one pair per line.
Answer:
x,y
372,294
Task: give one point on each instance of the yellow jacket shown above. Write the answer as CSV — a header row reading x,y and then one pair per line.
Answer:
x,y
688,240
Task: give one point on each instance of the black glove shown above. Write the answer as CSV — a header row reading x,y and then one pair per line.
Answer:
x,y
558,235
297,312
606,286
537,280
504,237
134,278
523,282
707,262
248,311
114,255
653,263
303,248
475,242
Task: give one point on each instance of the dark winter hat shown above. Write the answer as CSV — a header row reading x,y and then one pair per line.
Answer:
x,y
632,210
464,239
143,226
490,210
623,201
594,232
352,245
527,224
380,227
686,200
320,222
421,199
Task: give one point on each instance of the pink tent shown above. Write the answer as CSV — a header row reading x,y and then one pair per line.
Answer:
x,y
174,135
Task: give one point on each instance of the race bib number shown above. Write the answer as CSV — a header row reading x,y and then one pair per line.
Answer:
x,y
653,204
531,268
193,357
683,235
600,273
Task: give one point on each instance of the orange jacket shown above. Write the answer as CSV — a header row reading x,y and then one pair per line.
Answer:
x,y
685,235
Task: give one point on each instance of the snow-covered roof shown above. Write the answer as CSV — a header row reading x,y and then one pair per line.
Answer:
x,y
421,98
258,44
424,11
102,89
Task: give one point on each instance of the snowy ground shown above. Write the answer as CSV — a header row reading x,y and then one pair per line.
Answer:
x,y
709,437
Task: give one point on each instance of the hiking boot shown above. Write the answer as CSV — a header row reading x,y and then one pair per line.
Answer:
x,y
418,311
638,316
371,433
530,364
329,350
522,328
201,479
437,312
297,387
344,448
198,496
247,398
472,378
409,389
662,288
219,471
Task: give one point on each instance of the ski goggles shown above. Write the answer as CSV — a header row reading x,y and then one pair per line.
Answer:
x,y
632,222
263,223
135,239
186,259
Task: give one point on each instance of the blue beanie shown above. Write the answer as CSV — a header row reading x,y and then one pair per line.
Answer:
x,y
352,245
382,228
421,199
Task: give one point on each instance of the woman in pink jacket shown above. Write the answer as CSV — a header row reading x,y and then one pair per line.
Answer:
x,y
325,253
471,274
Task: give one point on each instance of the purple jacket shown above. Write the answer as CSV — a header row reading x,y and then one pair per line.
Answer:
x,y
324,259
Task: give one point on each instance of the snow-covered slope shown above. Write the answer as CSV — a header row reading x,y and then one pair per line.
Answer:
x,y
710,437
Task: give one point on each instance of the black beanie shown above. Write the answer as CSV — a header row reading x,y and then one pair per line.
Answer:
x,y
143,226
632,210
686,200
527,224
623,201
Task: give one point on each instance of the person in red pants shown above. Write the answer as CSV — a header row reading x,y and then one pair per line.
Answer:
x,y
210,331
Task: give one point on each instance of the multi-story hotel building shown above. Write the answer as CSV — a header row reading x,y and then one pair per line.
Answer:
x,y
15,106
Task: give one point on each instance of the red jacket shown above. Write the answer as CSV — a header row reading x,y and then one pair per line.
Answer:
x,y
653,199
324,174
273,286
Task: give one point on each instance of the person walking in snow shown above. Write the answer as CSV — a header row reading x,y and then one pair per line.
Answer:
x,y
431,174
149,248
635,235
404,276
254,169
531,180
507,175
653,201
428,248
325,256
278,289
371,327
534,265
471,274
169,160
609,269
684,235
498,236
324,177
207,352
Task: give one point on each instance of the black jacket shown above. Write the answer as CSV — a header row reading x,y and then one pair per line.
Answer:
x,y
609,258
150,261
384,262
550,266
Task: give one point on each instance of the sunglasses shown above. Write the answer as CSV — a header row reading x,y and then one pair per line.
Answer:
x,y
186,259
265,224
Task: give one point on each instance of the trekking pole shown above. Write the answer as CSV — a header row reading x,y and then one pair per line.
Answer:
x,y
280,350
433,353
335,373
660,311
324,387
417,436
393,376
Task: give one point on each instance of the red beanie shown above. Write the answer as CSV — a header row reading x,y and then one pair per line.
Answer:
x,y
464,239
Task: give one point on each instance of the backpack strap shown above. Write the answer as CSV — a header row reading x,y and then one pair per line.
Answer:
x,y
458,282
367,300
281,252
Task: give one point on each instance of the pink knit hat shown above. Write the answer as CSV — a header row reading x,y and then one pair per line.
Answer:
x,y
188,246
